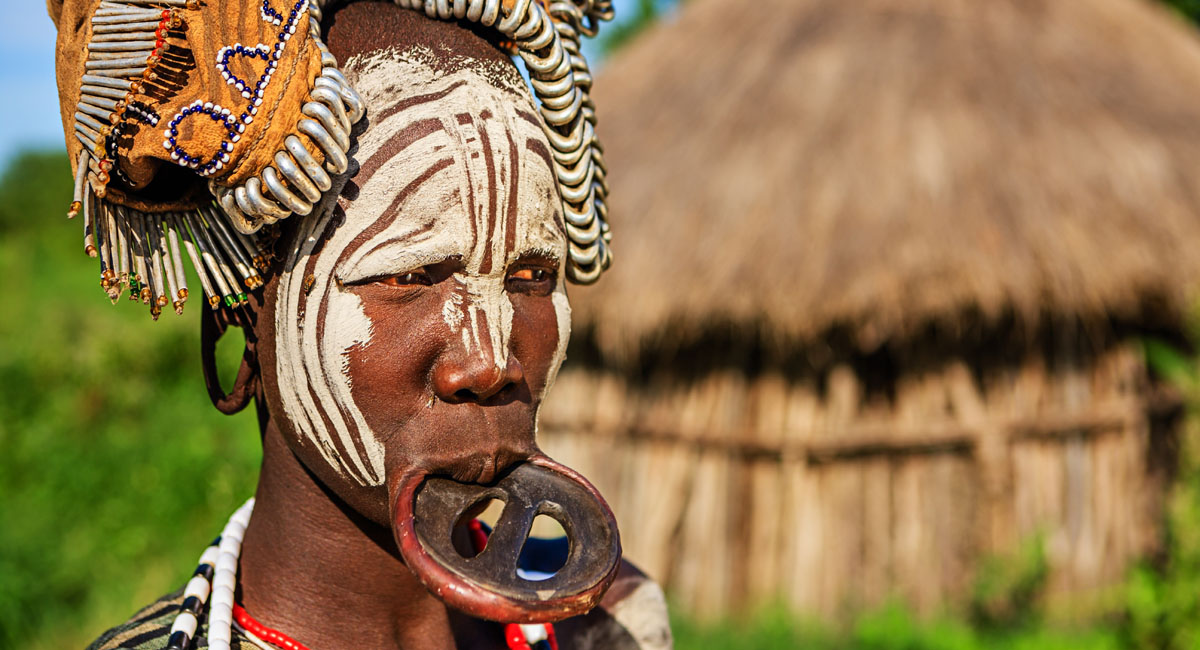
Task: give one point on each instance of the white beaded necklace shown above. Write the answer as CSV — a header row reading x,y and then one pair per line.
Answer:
x,y
216,574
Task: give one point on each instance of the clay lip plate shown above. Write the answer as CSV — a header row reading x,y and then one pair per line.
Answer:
x,y
427,508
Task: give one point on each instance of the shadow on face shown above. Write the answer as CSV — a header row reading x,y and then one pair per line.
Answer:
x,y
416,323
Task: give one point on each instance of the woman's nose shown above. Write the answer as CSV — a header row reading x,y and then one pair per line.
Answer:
x,y
475,377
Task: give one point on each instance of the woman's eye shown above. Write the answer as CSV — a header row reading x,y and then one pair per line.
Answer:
x,y
407,279
530,275
532,280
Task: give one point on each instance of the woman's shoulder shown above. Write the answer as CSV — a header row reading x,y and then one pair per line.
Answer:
x,y
146,629
631,616
150,628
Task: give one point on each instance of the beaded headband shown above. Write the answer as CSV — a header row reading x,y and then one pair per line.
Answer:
x,y
186,141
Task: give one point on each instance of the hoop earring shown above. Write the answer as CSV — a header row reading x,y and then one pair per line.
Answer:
x,y
245,387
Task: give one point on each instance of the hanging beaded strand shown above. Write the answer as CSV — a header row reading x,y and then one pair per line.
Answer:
x,y
141,251
195,594
216,577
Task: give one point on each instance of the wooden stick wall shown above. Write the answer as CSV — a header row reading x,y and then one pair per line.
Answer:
x,y
737,491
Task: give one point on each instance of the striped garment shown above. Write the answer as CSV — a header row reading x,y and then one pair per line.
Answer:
x,y
150,628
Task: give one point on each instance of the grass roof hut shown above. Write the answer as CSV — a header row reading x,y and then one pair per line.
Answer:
x,y
881,272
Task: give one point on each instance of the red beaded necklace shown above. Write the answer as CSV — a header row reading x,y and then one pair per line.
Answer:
x,y
514,634
270,635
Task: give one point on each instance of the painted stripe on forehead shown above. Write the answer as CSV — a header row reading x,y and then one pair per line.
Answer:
x,y
384,220
417,100
514,181
485,265
416,236
468,179
538,147
530,117
401,140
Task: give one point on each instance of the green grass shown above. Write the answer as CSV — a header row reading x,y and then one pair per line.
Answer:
x,y
114,467
889,628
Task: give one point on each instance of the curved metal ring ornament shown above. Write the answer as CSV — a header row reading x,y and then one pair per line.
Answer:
x,y
547,38
143,252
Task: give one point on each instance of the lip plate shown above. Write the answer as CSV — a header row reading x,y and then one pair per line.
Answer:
x,y
487,586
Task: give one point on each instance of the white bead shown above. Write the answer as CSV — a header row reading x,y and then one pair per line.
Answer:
x,y
229,549
197,587
222,595
217,645
186,621
219,629
225,579
534,633
209,556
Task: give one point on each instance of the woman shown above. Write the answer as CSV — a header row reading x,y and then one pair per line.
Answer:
x,y
402,291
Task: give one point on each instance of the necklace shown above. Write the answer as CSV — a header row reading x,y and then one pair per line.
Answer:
x,y
259,632
216,576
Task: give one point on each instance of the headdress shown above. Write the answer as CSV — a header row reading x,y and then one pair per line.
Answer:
x,y
194,125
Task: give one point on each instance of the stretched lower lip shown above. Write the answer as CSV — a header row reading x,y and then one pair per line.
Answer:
x,y
425,510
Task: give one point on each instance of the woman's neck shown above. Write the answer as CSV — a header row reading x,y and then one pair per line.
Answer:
x,y
315,570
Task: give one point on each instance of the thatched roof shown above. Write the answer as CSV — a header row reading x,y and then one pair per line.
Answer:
x,y
794,166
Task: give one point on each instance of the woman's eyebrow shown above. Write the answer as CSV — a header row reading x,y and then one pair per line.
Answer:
x,y
539,254
415,235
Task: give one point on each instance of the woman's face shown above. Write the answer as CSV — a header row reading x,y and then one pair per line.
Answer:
x,y
422,319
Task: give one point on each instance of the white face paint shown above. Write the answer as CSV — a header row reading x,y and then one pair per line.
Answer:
x,y
454,166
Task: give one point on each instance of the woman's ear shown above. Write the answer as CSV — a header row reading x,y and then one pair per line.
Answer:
x,y
214,323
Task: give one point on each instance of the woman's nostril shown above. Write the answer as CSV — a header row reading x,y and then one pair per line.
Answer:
x,y
476,380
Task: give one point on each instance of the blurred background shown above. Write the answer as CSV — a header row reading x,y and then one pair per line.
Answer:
x,y
899,348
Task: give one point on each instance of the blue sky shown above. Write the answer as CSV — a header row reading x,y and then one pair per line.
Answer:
x,y
29,112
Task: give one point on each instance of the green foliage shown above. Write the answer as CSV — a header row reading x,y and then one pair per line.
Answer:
x,y
1007,589
1190,9
627,27
892,627
1163,597
115,469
